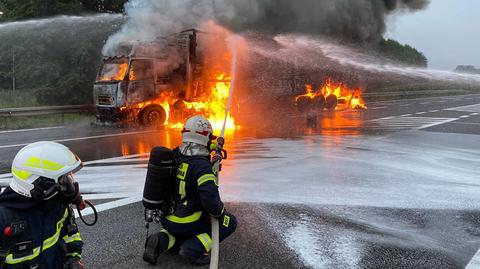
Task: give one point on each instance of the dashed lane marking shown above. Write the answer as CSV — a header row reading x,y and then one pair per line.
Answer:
x,y
81,138
420,113
433,111
34,129
474,114
465,116
405,115
471,108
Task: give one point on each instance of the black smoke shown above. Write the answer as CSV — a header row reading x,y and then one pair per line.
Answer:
x,y
357,20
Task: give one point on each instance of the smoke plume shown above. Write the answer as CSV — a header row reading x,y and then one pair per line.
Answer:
x,y
355,20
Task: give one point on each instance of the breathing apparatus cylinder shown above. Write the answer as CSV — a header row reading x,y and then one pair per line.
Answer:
x,y
159,183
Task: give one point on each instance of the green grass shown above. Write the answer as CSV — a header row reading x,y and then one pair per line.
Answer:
x,y
42,121
20,98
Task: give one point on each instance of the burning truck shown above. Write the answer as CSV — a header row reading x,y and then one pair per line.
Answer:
x,y
163,81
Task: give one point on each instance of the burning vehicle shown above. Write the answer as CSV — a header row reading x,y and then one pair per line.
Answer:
x,y
164,81
330,96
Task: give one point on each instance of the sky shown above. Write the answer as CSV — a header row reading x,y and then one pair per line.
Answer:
x,y
447,32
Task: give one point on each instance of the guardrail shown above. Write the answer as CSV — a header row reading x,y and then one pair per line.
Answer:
x,y
8,113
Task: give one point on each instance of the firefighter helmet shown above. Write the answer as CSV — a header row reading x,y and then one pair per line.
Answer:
x,y
198,130
41,159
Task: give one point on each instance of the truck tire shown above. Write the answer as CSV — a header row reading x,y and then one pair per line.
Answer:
x,y
153,115
331,102
304,104
319,101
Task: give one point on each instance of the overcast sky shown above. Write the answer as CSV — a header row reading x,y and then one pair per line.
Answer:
x,y
447,32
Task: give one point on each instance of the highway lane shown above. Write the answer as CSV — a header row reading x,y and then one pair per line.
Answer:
x,y
395,186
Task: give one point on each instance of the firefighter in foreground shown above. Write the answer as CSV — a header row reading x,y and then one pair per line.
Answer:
x,y
37,222
196,198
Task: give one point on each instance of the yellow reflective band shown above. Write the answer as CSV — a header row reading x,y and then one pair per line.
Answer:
x,y
226,221
206,241
181,189
189,219
47,243
35,162
72,238
171,239
205,178
182,171
74,254
23,175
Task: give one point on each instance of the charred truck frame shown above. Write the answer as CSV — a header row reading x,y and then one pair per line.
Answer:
x,y
145,73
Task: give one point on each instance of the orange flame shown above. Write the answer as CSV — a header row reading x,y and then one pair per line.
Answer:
x,y
118,75
351,97
212,105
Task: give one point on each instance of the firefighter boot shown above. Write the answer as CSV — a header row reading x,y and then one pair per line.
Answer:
x,y
194,258
196,249
156,244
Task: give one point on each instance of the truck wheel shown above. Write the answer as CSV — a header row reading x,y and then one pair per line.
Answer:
x,y
331,102
304,104
319,101
153,116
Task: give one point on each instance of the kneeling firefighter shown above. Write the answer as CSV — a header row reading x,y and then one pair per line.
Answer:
x,y
186,173
37,222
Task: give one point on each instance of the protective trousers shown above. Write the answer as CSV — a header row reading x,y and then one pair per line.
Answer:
x,y
194,239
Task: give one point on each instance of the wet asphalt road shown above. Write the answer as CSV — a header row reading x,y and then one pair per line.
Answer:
x,y
400,212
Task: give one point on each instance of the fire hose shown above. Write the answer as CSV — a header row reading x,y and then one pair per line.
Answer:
x,y
218,158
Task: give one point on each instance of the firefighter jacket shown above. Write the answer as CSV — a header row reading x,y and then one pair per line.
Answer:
x,y
196,190
36,234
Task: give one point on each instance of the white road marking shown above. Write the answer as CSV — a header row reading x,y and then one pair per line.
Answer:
x,y
465,116
406,105
474,114
420,113
404,122
474,262
380,107
101,196
81,138
111,205
434,124
34,129
405,115
471,108
424,103
433,111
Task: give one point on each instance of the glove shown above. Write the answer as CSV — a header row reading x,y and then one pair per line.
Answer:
x,y
74,263
221,215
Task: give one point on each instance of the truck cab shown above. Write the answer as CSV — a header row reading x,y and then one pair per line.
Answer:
x,y
126,87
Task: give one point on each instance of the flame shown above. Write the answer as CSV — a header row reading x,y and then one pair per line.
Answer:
x,y
212,105
351,97
118,75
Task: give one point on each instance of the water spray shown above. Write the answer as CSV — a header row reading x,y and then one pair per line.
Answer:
x,y
219,153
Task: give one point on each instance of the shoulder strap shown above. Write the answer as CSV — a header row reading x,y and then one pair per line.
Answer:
x,y
9,217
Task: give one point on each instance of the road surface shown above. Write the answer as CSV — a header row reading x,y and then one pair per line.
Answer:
x,y
394,186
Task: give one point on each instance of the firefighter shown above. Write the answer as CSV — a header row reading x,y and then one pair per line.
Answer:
x,y
38,228
197,199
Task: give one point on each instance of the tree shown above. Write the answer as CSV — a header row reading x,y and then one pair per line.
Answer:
x,y
16,10
27,9
403,53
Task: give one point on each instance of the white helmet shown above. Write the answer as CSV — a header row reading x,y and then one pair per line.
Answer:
x,y
198,130
41,159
